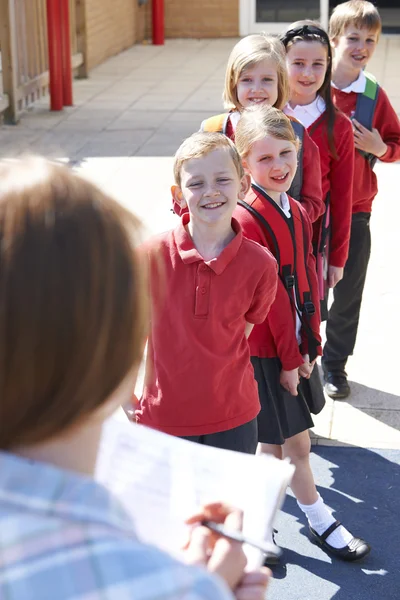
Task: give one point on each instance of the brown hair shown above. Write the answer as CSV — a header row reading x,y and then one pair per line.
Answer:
x,y
259,122
72,310
309,31
248,52
201,143
359,13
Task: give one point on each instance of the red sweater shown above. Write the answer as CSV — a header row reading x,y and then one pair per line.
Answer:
x,y
337,178
387,123
276,336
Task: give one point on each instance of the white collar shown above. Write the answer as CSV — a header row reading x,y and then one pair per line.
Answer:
x,y
285,204
307,113
358,86
234,118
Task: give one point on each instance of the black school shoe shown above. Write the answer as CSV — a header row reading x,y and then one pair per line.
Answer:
x,y
356,549
273,559
336,385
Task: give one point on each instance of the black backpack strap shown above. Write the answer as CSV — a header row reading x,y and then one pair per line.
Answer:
x,y
308,307
297,183
325,225
266,226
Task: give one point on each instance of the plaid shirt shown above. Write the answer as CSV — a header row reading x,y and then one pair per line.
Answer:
x,y
64,537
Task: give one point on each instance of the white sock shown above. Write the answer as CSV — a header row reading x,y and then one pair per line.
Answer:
x,y
320,518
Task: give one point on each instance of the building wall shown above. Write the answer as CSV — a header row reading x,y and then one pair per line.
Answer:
x,y
111,27
114,25
201,18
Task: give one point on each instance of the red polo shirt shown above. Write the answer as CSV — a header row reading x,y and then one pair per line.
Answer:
x,y
200,379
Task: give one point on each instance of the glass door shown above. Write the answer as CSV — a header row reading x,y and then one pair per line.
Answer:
x,y
272,16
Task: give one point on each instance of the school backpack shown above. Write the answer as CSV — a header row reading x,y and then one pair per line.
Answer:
x,y
290,252
218,123
365,110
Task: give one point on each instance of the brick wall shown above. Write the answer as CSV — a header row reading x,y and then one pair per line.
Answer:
x,y
201,18
112,26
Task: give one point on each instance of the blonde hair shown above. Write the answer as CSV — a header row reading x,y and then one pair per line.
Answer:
x,y
259,122
202,143
247,53
359,13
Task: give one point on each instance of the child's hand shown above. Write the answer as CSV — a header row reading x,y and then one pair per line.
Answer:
x,y
335,274
305,369
368,141
290,380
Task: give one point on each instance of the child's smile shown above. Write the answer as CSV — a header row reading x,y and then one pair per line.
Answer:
x,y
210,187
258,84
272,164
306,63
355,47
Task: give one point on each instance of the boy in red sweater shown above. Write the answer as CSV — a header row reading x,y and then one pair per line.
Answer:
x,y
354,30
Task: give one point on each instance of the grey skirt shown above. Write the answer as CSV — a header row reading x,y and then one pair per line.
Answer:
x,y
282,415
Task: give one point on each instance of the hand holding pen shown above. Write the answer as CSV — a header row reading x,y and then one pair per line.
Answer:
x,y
223,555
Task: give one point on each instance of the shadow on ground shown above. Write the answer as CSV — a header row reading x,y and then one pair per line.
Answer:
x,y
381,405
363,488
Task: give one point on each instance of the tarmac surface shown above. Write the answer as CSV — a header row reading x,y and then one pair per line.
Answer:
x,y
128,119
363,488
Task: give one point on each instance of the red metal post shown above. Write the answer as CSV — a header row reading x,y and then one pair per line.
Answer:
x,y
66,53
158,22
55,58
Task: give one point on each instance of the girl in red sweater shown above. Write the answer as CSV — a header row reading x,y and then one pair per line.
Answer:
x,y
256,74
309,64
285,346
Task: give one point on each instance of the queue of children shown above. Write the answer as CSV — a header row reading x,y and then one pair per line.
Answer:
x,y
217,290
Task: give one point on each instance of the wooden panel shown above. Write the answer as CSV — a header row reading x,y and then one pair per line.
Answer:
x,y
24,44
8,57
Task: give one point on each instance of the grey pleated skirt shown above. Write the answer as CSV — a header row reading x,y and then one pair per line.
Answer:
x,y
282,415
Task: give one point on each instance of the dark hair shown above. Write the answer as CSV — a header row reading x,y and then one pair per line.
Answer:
x,y
72,308
308,31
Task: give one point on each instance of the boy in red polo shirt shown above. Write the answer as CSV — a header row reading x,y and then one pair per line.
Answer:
x,y
209,286
354,30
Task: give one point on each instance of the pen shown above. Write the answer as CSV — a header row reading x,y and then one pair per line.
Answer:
x,y
237,536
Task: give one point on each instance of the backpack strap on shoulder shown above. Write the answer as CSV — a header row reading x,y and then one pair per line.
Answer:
x,y
365,109
215,124
297,183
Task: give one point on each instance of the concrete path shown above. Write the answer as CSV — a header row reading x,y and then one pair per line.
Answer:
x,y
129,118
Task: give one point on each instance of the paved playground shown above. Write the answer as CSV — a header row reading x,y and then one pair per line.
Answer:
x,y
129,118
